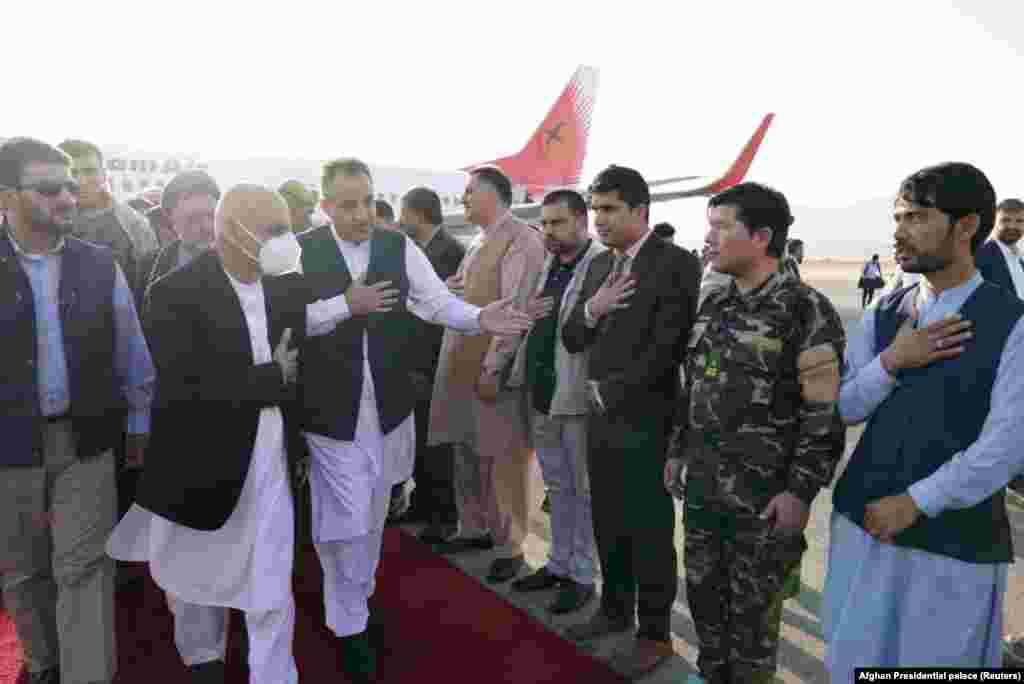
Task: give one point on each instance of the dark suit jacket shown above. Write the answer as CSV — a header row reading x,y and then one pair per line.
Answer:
x,y
151,268
635,355
990,261
445,254
209,393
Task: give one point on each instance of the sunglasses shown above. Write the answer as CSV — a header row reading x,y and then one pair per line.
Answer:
x,y
53,188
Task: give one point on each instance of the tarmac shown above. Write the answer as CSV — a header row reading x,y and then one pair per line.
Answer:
x,y
802,646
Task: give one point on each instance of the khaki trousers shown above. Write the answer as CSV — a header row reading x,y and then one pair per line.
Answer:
x,y
58,582
493,483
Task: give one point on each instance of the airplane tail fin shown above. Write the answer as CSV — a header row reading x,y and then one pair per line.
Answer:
x,y
732,176
554,155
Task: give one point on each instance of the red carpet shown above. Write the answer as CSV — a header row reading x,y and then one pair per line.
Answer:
x,y
441,625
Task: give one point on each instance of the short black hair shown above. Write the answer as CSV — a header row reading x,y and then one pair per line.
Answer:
x,y
80,148
343,166
957,189
384,211
664,230
794,243
1010,204
759,206
570,198
631,186
17,153
425,201
497,179
188,183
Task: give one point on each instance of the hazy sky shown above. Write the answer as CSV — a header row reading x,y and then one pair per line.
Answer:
x,y
863,92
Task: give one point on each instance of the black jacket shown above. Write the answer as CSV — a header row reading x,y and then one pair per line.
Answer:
x,y
445,254
209,393
990,261
635,355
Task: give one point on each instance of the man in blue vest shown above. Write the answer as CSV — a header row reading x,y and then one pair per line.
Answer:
x,y
355,392
920,540
74,375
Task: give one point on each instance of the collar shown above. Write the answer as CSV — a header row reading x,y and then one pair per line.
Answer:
x,y
954,295
23,254
437,229
767,287
1008,250
500,220
638,245
576,260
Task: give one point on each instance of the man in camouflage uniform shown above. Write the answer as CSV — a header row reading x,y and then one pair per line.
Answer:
x,y
759,433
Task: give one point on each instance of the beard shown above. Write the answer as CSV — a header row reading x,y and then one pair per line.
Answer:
x,y
43,220
926,263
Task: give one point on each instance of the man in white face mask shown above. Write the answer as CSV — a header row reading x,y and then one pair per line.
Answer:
x,y
214,515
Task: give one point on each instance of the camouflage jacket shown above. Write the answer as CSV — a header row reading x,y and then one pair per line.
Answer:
x,y
759,413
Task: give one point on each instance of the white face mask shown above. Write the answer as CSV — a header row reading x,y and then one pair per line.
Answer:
x,y
278,255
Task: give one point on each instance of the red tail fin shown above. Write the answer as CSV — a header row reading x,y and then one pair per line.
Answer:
x,y
554,155
738,171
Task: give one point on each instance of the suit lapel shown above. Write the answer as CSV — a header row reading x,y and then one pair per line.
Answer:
x,y
221,307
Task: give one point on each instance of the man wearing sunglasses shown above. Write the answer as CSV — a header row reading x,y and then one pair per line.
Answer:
x,y
101,218
75,375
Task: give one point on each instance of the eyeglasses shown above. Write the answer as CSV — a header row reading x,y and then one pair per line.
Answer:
x,y
53,188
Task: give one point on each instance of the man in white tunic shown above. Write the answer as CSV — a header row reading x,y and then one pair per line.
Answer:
x,y
214,514
356,401
920,540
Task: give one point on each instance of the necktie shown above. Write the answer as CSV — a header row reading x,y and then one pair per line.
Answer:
x,y
618,268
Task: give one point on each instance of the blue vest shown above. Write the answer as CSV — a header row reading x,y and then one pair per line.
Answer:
x,y
331,366
86,295
934,413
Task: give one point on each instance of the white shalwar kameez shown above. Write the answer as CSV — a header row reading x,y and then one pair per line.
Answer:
x,y
350,482
247,563
893,606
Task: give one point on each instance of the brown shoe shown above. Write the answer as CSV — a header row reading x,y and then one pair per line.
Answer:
x,y
642,657
596,627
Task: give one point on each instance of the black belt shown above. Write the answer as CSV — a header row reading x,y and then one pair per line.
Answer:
x,y
57,418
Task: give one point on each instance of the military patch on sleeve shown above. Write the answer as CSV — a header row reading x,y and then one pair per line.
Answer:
x,y
819,374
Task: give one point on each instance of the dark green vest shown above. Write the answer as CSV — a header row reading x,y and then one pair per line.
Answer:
x,y
331,366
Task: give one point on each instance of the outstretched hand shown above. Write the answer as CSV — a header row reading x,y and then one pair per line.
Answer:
x,y
502,318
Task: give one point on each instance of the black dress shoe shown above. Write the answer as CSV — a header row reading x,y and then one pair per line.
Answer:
x,y
504,569
464,544
538,581
51,676
571,597
212,672
438,533
359,658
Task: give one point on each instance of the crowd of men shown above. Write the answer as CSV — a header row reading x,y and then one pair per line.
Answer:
x,y
250,381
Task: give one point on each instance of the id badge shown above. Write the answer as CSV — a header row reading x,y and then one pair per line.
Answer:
x,y
712,364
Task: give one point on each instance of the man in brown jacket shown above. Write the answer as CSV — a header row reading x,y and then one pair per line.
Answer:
x,y
493,456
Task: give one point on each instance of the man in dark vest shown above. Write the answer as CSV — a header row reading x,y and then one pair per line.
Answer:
x,y
75,375
920,540
354,389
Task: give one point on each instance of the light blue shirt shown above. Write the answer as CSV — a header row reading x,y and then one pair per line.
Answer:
x,y
986,466
132,361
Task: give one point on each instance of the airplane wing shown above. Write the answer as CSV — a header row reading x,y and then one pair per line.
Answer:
x,y
737,171
732,176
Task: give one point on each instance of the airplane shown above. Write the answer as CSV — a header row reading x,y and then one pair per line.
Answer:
x,y
552,158
734,174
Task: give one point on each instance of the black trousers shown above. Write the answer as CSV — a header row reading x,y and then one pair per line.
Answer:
x,y
634,521
434,497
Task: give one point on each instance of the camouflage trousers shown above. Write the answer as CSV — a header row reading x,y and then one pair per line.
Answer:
x,y
736,571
